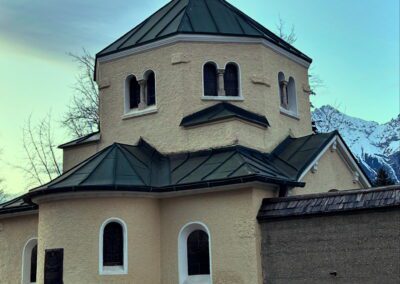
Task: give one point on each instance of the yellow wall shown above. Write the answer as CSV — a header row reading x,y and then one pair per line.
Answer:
x,y
179,89
77,154
235,239
14,234
332,173
153,229
75,224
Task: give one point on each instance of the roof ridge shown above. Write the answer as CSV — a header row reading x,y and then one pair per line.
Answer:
x,y
121,148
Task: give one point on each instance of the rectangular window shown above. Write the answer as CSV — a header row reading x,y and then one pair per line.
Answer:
x,y
53,267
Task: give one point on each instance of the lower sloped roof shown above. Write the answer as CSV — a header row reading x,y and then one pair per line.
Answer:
x,y
330,202
143,168
17,205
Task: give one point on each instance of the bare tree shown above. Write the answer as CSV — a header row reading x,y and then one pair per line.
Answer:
x,y
82,116
290,37
42,160
3,195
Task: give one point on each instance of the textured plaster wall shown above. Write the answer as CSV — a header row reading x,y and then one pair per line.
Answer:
x,y
74,225
75,155
179,89
332,173
361,248
235,235
14,233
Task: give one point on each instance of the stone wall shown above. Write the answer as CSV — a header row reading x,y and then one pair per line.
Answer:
x,y
346,248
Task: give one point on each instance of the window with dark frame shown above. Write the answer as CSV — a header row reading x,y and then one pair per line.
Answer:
x,y
113,248
151,89
33,264
210,80
198,253
231,80
134,93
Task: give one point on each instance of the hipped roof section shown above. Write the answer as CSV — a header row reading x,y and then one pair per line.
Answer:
x,y
203,17
142,168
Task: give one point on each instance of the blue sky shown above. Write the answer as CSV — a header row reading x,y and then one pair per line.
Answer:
x,y
354,45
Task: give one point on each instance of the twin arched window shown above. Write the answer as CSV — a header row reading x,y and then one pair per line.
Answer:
x,y
194,254
287,93
221,82
113,247
140,94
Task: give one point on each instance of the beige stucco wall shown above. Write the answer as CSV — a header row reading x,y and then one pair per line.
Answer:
x,y
153,229
75,224
75,155
14,234
235,236
179,90
332,173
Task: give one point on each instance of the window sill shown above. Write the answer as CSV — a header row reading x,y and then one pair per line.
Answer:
x,y
198,279
222,98
289,113
113,270
136,112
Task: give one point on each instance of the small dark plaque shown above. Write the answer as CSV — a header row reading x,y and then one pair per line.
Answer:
x,y
53,266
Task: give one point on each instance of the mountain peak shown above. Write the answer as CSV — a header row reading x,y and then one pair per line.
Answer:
x,y
375,145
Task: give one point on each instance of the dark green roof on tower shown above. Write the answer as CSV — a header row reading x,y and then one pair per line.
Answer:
x,y
199,17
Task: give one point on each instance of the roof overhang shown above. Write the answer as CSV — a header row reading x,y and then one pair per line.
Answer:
x,y
202,38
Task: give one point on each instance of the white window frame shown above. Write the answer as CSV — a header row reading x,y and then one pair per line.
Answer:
x,y
26,261
135,112
114,270
184,233
291,93
221,98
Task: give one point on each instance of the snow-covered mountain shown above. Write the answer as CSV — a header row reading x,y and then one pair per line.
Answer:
x,y
375,145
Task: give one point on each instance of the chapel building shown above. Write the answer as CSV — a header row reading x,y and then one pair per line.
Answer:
x,y
204,113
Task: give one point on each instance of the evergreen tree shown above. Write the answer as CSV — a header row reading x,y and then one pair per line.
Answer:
x,y
382,178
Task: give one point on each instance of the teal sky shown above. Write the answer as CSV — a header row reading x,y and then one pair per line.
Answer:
x,y
354,45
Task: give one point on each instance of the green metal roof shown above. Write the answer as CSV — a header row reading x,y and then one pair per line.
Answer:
x,y
17,205
143,168
294,155
223,111
211,17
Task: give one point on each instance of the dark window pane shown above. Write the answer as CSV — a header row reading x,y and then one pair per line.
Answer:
x,y
231,80
134,93
33,264
151,89
113,245
198,253
53,266
210,80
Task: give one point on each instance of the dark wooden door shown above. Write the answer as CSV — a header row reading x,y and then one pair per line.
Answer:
x,y
53,267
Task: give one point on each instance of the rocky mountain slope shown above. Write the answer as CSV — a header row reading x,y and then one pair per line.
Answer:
x,y
375,145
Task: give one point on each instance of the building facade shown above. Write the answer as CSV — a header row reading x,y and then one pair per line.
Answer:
x,y
204,113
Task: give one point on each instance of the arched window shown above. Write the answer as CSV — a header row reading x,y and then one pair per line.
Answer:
x,y
231,80
282,90
210,78
113,247
150,88
29,262
198,253
194,254
113,251
291,94
132,93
